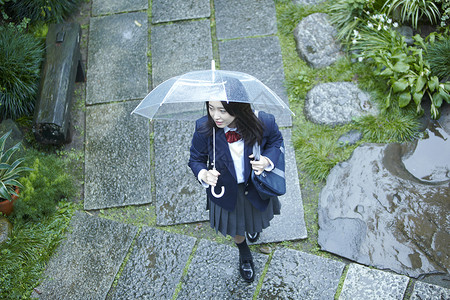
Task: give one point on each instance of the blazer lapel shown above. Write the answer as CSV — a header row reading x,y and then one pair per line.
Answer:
x,y
223,151
247,167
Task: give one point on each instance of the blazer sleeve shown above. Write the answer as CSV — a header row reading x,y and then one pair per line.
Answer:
x,y
198,158
273,138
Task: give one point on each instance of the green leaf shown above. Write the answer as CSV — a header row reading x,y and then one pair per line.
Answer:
x,y
404,99
387,72
401,67
400,85
433,83
417,97
447,86
444,95
420,83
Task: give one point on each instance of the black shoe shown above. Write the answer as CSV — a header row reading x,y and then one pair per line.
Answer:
x,y
247,269
252,237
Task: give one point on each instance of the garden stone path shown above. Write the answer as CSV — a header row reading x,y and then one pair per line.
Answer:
x,y
102,259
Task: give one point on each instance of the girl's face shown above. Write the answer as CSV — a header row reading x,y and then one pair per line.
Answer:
x,y
220,116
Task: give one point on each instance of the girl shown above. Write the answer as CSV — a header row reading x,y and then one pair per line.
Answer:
x,y
240,211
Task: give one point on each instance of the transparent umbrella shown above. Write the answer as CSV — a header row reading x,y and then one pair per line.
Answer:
x,y
183,97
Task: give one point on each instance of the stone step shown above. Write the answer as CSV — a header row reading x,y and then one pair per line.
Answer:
x,y
155,265
297,275
214,274
103,7
169,11
178,48
366,283
85,264
117,52
117,159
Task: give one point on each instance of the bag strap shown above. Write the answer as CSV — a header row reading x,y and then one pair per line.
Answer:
x,y
256,147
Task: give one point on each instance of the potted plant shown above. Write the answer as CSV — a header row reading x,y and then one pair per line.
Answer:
x,y
9,173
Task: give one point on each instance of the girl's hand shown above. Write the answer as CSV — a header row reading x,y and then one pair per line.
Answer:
x,y
210,177
259,165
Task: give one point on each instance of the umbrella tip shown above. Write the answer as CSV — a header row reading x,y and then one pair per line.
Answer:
x,y
213,65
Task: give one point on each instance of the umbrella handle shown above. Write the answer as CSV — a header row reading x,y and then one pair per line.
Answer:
x,y
222,192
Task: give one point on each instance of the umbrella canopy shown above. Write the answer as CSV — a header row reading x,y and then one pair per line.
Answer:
x,y
183,97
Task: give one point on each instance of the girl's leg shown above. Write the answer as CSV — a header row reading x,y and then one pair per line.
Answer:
x,y
246,267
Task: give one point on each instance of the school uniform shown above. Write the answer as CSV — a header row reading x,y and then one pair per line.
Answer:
x,y
240,209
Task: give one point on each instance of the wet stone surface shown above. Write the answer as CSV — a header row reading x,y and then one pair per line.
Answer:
x,y
155,265
365,283
185,47
373,211
427,159
350,138
117,64
168,10
424,290
236,19
179,196
103,7
298,275
335,103
86,263
290,224
315,39
213,274
261,58
117,159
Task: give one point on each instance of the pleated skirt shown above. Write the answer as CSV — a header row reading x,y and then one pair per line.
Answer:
x,y
244,218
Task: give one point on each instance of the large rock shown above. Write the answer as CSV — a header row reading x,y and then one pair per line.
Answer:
x,y
374,211
315,39
335,103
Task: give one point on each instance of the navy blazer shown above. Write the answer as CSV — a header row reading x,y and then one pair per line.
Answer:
x,y
201,157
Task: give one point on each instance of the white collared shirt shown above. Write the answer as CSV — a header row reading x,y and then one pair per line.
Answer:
x,y
237,154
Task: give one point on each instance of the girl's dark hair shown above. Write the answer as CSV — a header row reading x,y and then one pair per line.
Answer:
x,y
247,123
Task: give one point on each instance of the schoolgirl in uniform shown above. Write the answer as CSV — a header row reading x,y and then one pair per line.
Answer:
x,y
233,127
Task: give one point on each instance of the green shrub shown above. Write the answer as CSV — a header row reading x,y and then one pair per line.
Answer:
x,y
28,249
348,15
20,59
414,10
407,72
48,11
48,183
438,55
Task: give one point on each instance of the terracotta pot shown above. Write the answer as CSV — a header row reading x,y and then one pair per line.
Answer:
x,y
7,206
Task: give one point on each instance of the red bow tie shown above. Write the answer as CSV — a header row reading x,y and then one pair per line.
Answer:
x,y
232,136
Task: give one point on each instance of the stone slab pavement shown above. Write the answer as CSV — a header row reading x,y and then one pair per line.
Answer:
x,y
117,157
101,258
104,259
117,58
